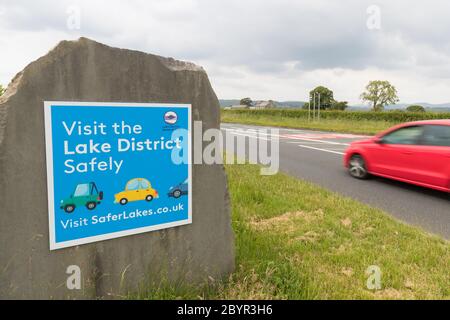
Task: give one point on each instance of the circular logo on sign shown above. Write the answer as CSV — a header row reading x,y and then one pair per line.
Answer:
x,y
170,117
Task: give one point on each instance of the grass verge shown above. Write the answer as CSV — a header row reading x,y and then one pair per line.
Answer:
x,y
369,127
295,240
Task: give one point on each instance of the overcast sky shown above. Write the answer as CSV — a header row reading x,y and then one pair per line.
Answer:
x,y
271,49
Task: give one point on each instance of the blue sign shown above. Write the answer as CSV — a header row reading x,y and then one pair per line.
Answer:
x,y
116,169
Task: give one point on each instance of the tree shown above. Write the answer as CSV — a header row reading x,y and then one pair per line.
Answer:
x,y
327,101
339,105
2,90
415,108
321,95
380,94
246,102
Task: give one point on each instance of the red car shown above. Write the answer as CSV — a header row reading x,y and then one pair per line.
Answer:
x,y
413,152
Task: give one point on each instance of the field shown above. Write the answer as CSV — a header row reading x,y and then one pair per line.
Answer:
x,y
295,240
359,122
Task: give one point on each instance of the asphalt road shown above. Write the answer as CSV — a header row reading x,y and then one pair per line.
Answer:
x,y
316,156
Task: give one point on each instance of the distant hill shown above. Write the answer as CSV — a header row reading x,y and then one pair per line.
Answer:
x,y
281,104
290,104
442,107
228,103
438,109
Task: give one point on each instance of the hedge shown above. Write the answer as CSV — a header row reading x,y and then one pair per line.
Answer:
x,y
389,116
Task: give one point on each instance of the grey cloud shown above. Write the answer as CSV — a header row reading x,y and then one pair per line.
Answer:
x,y
259,37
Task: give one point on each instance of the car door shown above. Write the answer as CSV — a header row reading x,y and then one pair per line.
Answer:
x,y
81,194
144,189
184,187
394,154
433,156
132,189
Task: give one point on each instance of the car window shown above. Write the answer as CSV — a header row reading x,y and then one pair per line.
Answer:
x,y
82,190
145,184
133,184
436,136
407,135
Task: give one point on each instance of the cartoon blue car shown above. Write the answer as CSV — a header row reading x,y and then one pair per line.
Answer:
x,y
179,190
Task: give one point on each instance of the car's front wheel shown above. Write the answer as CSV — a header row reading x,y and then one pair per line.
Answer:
x,y
69,208
123,201
357,167
149,198
91,205
177,194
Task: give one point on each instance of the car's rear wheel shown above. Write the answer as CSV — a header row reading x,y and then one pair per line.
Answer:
x,y
123,201
91,205
357,167
177,194
69,208
149,198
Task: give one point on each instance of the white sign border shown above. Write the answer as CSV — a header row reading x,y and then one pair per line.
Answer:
x,y
50,186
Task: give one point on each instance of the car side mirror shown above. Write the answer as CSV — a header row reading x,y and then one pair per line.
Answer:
x,y
379,140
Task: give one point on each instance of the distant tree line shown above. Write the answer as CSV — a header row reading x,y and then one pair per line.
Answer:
x,y
324,98
415,108
379,93
246,102
2,90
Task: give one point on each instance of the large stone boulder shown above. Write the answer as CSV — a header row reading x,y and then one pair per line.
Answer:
x,y
85,70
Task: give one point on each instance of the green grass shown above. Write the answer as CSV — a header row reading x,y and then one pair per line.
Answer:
x,y
370,127
295,240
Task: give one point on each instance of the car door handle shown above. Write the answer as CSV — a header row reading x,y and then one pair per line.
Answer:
x,y
408,152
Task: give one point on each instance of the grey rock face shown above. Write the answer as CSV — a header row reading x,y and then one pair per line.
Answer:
x,y
85,70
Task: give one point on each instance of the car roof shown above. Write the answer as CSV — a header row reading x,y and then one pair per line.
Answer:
x,y
137,179
437,122
441,122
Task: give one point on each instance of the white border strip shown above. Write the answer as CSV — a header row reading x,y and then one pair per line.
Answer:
x,y
50,185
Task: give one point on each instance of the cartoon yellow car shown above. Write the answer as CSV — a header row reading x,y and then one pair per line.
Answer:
x,y
135,190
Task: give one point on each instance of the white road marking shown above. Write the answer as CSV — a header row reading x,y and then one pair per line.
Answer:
x,y
242,132
320,149
321,141
306,132
249,136
256,135
307,142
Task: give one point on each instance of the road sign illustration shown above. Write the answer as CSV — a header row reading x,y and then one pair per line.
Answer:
x,y
85,194
114,169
